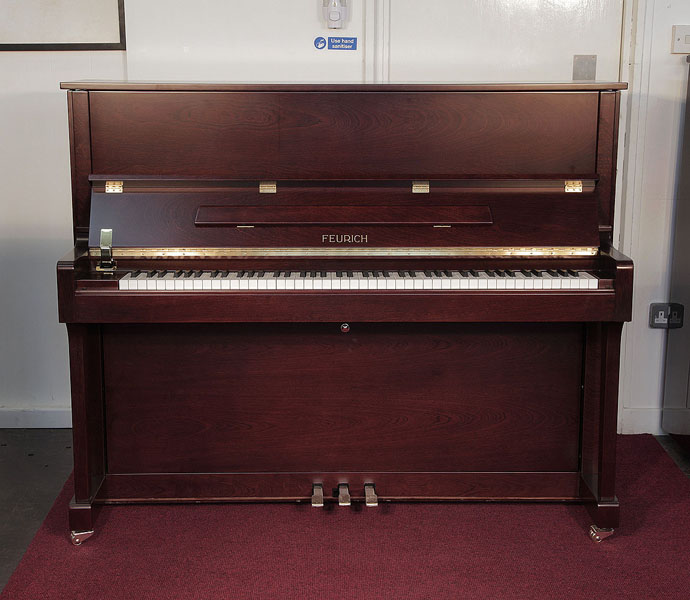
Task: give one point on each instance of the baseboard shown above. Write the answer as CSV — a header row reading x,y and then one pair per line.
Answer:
x,y
53,418
640,420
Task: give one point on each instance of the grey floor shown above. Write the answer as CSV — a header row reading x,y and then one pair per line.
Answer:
x,y
34,464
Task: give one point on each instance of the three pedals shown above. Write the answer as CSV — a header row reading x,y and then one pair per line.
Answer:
x,y
370,497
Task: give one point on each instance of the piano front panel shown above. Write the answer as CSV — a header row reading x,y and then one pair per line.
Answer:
x,y
307,397
344,135
308,219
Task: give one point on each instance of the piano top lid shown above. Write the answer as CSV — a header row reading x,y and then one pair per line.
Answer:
x,y
173,86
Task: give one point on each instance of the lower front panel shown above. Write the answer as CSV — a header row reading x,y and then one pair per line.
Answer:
x,y
262,411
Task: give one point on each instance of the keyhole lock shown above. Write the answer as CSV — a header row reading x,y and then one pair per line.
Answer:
x,y
345,327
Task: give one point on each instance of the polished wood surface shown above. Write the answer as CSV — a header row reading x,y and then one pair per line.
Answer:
x,y
216,86
402,219
256,395
343,135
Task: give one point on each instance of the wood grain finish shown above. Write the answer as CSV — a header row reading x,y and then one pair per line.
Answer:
x,y
291,398
216,86
291,487
222,396
514,219
343,135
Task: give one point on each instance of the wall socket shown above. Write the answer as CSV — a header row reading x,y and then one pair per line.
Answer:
x,y
666,315
681,39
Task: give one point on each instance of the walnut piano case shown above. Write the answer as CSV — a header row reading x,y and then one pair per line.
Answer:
x,y
343,293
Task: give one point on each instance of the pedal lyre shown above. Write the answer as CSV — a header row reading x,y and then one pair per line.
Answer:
x,y
317,495
343,495
370,497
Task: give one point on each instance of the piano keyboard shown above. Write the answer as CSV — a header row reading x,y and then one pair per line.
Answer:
x,y
499,279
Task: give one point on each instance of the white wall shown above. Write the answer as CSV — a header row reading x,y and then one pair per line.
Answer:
x,y
272,40
36,229
656,104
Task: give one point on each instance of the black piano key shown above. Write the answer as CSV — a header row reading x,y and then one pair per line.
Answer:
x,y
178,274
447,273
150,274
386,274
276,273
465,273
552,272
510,273
197,274
215,273
500,272
188,274
573,273
365,273
474,273
412,273
136,273
537,273
562,272
526,273
490,273
312,273
288,274
401,273
323,273
240,274
224,273
260,273
350,274
302,273
338,273
251,273
438,273
428,273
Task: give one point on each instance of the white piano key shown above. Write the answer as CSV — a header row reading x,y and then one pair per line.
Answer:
x,y
455,280
225,282
398,281
538,282
160,282
473,282
336,282
270,281
244,282
215,281
292,282
501,282
592,281
253,282
492,282
547,281
482,280
390,281
281,282
408,282
123,283
169,281
519,281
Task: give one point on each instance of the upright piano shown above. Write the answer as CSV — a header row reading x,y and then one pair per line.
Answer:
x,y
343,293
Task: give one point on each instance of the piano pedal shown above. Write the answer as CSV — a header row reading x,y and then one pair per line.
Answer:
x,y
344,495
370,497
317,495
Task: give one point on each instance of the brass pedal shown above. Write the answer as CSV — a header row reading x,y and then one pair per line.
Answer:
x,y
370,497
343,495
317,495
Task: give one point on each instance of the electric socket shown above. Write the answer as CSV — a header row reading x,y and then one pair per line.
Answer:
x,y
666,315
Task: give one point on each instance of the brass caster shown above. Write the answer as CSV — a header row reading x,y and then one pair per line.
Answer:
x,y
78,537
599,534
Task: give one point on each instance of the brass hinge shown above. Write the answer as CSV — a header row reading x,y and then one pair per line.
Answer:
x,y
574,185
113,187
420,187
267,187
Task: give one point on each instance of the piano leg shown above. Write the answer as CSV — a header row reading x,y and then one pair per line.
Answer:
x,y
80,521
87,426
599,423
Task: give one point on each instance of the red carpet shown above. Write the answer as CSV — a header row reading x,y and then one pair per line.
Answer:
x,y
396,551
